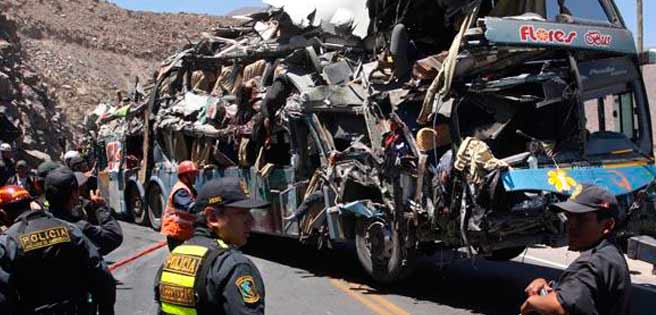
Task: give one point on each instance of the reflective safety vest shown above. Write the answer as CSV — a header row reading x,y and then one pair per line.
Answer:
x,y
175,223
183,280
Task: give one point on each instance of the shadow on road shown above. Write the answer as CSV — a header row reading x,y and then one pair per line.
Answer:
x,y
481,286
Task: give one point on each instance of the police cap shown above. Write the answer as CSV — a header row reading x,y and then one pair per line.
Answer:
x,y
226,192
591,198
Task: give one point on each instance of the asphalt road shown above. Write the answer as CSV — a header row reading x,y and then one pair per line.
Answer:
x,y
302,280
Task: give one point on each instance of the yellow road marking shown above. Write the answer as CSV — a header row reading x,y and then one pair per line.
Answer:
x,y
389,305
376,303
369,304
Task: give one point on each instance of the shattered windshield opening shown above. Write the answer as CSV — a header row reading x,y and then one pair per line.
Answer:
x,y
551,9
534,104
506,107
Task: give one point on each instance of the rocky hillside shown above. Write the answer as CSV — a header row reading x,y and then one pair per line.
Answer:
x,y
79,52
28,115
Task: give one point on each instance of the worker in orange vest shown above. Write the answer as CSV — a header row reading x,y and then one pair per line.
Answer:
x,y
177,222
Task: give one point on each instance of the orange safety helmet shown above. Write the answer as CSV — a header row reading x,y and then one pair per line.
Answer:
x,y
186,167
12,194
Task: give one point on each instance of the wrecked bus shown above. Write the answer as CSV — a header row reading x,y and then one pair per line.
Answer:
x,y
455,136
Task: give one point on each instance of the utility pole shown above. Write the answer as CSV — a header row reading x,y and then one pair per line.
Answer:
x,y
640,25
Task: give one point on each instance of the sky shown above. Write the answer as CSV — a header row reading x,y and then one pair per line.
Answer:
x,y
219,7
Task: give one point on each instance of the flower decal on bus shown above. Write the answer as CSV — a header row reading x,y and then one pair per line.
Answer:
x,y
559,179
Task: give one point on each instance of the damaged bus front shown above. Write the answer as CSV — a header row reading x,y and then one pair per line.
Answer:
x,y
539,97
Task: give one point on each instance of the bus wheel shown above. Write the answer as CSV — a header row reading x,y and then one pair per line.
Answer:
x,y
136,205
380,251
156,204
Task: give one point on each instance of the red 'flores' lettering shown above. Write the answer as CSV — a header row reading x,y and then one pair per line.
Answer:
x,y
528,33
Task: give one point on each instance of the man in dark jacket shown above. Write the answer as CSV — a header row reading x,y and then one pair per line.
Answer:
x,y
22,178
63,196
47,266
598,282
226,281
7,165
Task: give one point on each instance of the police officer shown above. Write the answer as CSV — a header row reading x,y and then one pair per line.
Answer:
x,y
7,298
208,274
177,221
52,268
14,199
7,294
63,195
597,282
42,172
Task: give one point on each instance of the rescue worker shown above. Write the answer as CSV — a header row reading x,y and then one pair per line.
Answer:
x,y
7,167
208,274
63,193
598,282
49,267
177,222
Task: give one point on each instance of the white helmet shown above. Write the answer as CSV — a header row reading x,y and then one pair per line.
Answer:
x,y
5,147
70,155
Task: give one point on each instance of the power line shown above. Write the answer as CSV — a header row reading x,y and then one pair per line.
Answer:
x,y
640,25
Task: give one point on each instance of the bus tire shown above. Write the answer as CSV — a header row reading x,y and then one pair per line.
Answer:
x,y
135,205
156,204
392,266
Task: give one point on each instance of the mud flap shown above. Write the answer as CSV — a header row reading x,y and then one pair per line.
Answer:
x,y
643,248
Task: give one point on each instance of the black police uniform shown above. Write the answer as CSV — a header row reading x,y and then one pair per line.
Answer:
x,y
7,296
226,282
97,223
106,234
598,282
54,269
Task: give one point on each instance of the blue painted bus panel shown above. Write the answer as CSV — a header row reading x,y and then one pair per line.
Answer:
x,y
618,180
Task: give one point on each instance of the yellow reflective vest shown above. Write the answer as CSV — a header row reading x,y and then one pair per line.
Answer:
x,y
182,277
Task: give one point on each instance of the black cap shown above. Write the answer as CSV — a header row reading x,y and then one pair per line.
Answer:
x,y
75,162
227,192
591,198
45,168
63,178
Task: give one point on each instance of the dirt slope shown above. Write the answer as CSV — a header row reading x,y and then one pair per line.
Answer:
x,y
83,50
28,117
